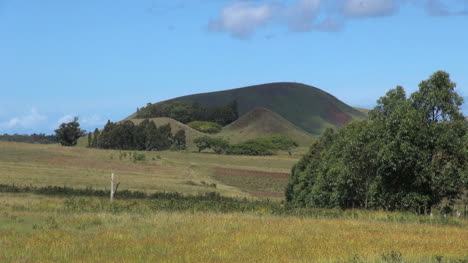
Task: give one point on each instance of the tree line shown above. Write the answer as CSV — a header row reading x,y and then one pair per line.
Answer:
x,y
145,136
32,138
268,145
187,111
410,154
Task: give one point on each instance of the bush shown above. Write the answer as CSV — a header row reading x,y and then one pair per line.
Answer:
x,y
217,145
138,157
263,146
205,126
251,148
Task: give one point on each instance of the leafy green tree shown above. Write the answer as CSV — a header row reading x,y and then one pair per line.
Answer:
x,y
164,137
216,144
151,136
219,146
203,143
180,140
140,136
69,133
96,134
410,155
90,139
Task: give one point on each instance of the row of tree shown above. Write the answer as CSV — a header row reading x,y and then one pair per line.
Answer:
x,y
410,154
187,111
143,137
267,145
32,138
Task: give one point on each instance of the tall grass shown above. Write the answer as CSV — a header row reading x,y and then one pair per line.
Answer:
x,y
67,230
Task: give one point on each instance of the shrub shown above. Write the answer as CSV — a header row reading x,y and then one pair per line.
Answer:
x,y
217,145
138,157
205,126
251,148
263,146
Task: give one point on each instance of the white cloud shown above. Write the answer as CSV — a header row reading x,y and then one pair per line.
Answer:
x,y
369,8
32,120
93,121
447,7
65,119
301,15
242,18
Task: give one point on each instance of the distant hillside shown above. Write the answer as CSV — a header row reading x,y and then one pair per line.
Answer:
x,y
305,106
263,122
365,111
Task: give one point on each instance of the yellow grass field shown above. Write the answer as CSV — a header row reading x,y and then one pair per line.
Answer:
x,y
38,228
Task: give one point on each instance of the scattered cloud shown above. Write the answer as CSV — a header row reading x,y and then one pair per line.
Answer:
x,y
369,8
93,121
161,8
33,119
241,18
447,7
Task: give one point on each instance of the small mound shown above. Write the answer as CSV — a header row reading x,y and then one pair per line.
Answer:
x,y
261,122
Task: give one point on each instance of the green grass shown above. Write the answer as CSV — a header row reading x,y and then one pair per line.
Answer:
x,y
196,226
43,165
307,107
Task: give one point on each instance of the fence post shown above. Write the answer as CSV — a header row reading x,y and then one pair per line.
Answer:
x,y
112,188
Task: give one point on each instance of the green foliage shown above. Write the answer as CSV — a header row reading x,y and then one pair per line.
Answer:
x,y
217,145
136,156
409,155
186,112
180,140
33,138
145,136
268,145
69,133
205,126
251,147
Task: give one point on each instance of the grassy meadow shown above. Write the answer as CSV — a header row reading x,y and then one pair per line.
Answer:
x,y
43,229
252,227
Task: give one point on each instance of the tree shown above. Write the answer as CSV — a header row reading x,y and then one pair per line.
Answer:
x,y
179,140
151,136
95,142
410,155
140,135
164,137
69,133
90,139
203,143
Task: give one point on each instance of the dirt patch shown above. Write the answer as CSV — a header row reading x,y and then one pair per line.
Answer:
x,y
238,172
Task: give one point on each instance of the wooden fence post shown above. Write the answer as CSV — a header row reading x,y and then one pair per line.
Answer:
x,y
112,188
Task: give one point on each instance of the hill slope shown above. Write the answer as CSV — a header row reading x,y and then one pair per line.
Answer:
x,y
263,122
305,106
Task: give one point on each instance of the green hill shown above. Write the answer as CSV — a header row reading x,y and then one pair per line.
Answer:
x,y
263,122
305,106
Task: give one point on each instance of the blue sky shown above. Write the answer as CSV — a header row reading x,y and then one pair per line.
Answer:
x,y
101,59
